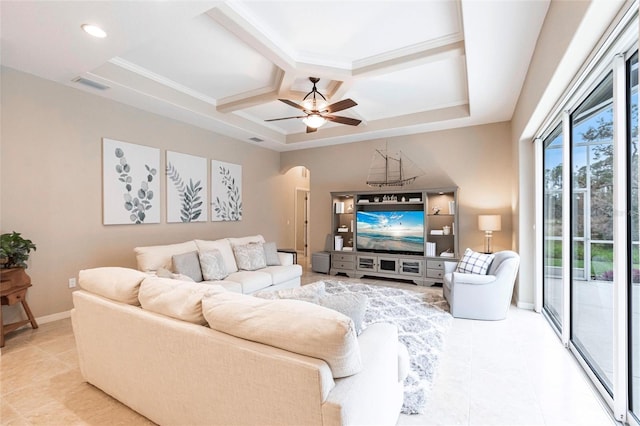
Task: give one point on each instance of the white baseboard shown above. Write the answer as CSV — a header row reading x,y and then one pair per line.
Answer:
x,y
525,305
53,317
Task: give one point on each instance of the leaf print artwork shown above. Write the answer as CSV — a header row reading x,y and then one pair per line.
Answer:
x,y
227,191
187,199
139,204
130,183
191,201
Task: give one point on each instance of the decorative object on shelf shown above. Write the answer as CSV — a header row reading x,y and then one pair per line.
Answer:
x,y
489,223
318,111
226,191
187,192
446,253
435,210
446,230
130,185
452,207
15,250
391,169
339,243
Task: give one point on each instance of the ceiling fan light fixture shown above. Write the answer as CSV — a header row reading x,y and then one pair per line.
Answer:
x,y
314,120
313,104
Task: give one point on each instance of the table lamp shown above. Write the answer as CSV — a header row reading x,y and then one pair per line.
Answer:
x,y
489,223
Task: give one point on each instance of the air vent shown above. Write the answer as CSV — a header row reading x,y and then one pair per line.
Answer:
x,y
254,139
90,83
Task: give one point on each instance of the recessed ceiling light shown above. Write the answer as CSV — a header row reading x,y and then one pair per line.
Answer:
x,y
94,30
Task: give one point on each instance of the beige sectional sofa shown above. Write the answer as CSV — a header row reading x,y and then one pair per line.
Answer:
x,y
190,353
151,259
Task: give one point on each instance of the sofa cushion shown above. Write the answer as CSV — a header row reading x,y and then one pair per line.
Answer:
x,y
176,299
212,265
115,283
251,281
280,274
293,325
271,254
250,256
152,258
188,264
224,246
474,263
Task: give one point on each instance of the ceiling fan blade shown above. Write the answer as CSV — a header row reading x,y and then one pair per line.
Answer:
x,y
285,118
339,106
311,129
343,120
291,103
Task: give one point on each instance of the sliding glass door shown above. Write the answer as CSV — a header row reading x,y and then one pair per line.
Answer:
x,y
592,231
634,238
552,222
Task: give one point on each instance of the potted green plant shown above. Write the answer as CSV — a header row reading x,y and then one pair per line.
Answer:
x,y
14,253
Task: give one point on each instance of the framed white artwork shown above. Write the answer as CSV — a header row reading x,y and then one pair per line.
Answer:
x,y
226,191
130,183
187,193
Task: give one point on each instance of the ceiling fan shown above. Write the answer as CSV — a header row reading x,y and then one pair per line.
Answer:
x,y
318,111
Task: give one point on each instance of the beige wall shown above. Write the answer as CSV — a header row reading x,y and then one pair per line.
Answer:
x,y
476,159
51,183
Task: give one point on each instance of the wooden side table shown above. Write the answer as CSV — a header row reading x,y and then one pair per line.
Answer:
x,y
11,296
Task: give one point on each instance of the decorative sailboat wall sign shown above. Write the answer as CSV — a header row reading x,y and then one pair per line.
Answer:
x,y
391,169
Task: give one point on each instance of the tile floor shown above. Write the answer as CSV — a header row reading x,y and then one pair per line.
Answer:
x,y
512,372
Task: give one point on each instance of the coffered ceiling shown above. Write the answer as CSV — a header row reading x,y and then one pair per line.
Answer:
x,y
412,66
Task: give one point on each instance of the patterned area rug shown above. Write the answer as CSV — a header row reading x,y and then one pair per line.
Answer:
x,y
423,321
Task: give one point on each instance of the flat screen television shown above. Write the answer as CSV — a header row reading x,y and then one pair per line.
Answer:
x,y
399,232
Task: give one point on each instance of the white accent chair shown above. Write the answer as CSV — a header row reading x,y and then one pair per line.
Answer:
x,y
482,297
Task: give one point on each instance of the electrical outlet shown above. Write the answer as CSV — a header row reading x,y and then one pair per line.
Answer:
x,y
72,282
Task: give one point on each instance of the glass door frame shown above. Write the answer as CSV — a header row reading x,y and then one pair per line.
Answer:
x,y
624,38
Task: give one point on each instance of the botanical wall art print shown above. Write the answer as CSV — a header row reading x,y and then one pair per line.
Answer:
x,y
187,195
130,183
226,191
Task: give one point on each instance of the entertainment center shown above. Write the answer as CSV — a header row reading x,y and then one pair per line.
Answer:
x,y
399,234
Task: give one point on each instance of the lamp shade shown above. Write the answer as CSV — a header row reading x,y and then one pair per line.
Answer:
x,y
489,222
314,120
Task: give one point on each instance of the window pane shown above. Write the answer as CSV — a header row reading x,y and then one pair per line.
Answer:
x,y
634,231
552,255
592,225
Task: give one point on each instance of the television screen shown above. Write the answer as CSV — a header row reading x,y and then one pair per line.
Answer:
x,y
390,231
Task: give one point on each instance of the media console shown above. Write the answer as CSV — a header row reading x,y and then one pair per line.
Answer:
x,y
398,234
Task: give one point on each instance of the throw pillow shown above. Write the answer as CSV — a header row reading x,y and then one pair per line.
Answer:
x,y
271,254
250,257
352,305
188,264
178,300
212,264
474,263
